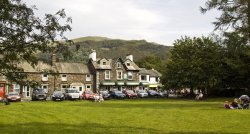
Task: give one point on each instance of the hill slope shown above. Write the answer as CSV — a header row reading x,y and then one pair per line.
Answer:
x,y
108,48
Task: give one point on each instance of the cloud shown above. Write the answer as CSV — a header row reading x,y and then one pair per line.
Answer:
x,y
154,20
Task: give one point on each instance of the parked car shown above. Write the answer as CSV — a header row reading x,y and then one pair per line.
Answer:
x,y
163,93
38,94
71,94
57,95
117,94
141,93
13,96
130,94
105,94
88,95
153,93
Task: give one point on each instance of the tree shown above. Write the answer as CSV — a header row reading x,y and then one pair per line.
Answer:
x,y
235,15
194,63
23,34
234,23
151,62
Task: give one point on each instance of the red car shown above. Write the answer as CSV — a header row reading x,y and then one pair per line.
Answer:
x,y
130,94
14,96
88,95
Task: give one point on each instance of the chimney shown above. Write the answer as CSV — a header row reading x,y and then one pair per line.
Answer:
x,y
129,56
92,55
53,60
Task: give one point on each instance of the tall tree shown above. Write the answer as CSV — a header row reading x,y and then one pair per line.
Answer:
x,y
23,34
194,63
234,23
235,15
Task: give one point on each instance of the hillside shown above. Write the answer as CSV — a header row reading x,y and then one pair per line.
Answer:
x,y
108,48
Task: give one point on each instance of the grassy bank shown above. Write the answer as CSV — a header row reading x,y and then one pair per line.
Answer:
x,y
171,116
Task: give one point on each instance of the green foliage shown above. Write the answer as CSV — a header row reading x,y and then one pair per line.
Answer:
x,y
194,63
151,62
235,15
23,34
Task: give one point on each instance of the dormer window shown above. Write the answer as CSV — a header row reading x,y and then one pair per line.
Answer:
x,y
118,65
128,64
88,77
104,63
64,77
45,77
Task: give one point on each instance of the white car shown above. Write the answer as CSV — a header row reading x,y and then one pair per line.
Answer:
x,y
142,93
72,94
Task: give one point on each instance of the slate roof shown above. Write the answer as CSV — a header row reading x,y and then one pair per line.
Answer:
x,y
150,72
75,68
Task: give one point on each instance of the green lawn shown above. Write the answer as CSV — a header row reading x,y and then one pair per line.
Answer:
x,y
140,116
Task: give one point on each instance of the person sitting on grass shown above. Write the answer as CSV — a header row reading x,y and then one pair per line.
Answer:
x,y
235,104
227,106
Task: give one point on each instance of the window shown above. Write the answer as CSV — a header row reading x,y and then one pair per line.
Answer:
x,y
45,87
143,78
88,87
128,64
63,87
107,74
64,77
119,75
130,75
16,88
104,63
45,77
118,65
88,77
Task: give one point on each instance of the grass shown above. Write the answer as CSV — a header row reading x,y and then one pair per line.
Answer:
x,y
140,116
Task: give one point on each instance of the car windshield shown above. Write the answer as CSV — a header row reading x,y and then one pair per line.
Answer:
x,y
72,91
88,92
141,91
13,93
130,91
58,93
40,91
118,92
152,91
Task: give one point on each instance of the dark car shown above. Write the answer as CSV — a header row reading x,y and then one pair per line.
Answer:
x,y
14,96
57,95
39,94
105,94
130,94
153,93
117,94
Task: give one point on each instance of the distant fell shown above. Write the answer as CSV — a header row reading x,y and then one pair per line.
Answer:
x,y
90,38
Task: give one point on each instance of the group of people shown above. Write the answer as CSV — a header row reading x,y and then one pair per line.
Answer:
x,y
241,103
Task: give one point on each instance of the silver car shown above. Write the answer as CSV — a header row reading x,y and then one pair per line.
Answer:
x,y
142,93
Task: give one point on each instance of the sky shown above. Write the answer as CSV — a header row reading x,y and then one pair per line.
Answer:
x,y
159,21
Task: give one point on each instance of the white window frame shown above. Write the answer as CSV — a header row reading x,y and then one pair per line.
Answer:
x,y
130,75
64,78
144,79
88,77
45,87
119,77
63,88
88,89
45,77
107,74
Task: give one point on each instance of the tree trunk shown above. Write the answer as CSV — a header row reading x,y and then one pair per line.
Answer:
x,y
248,15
